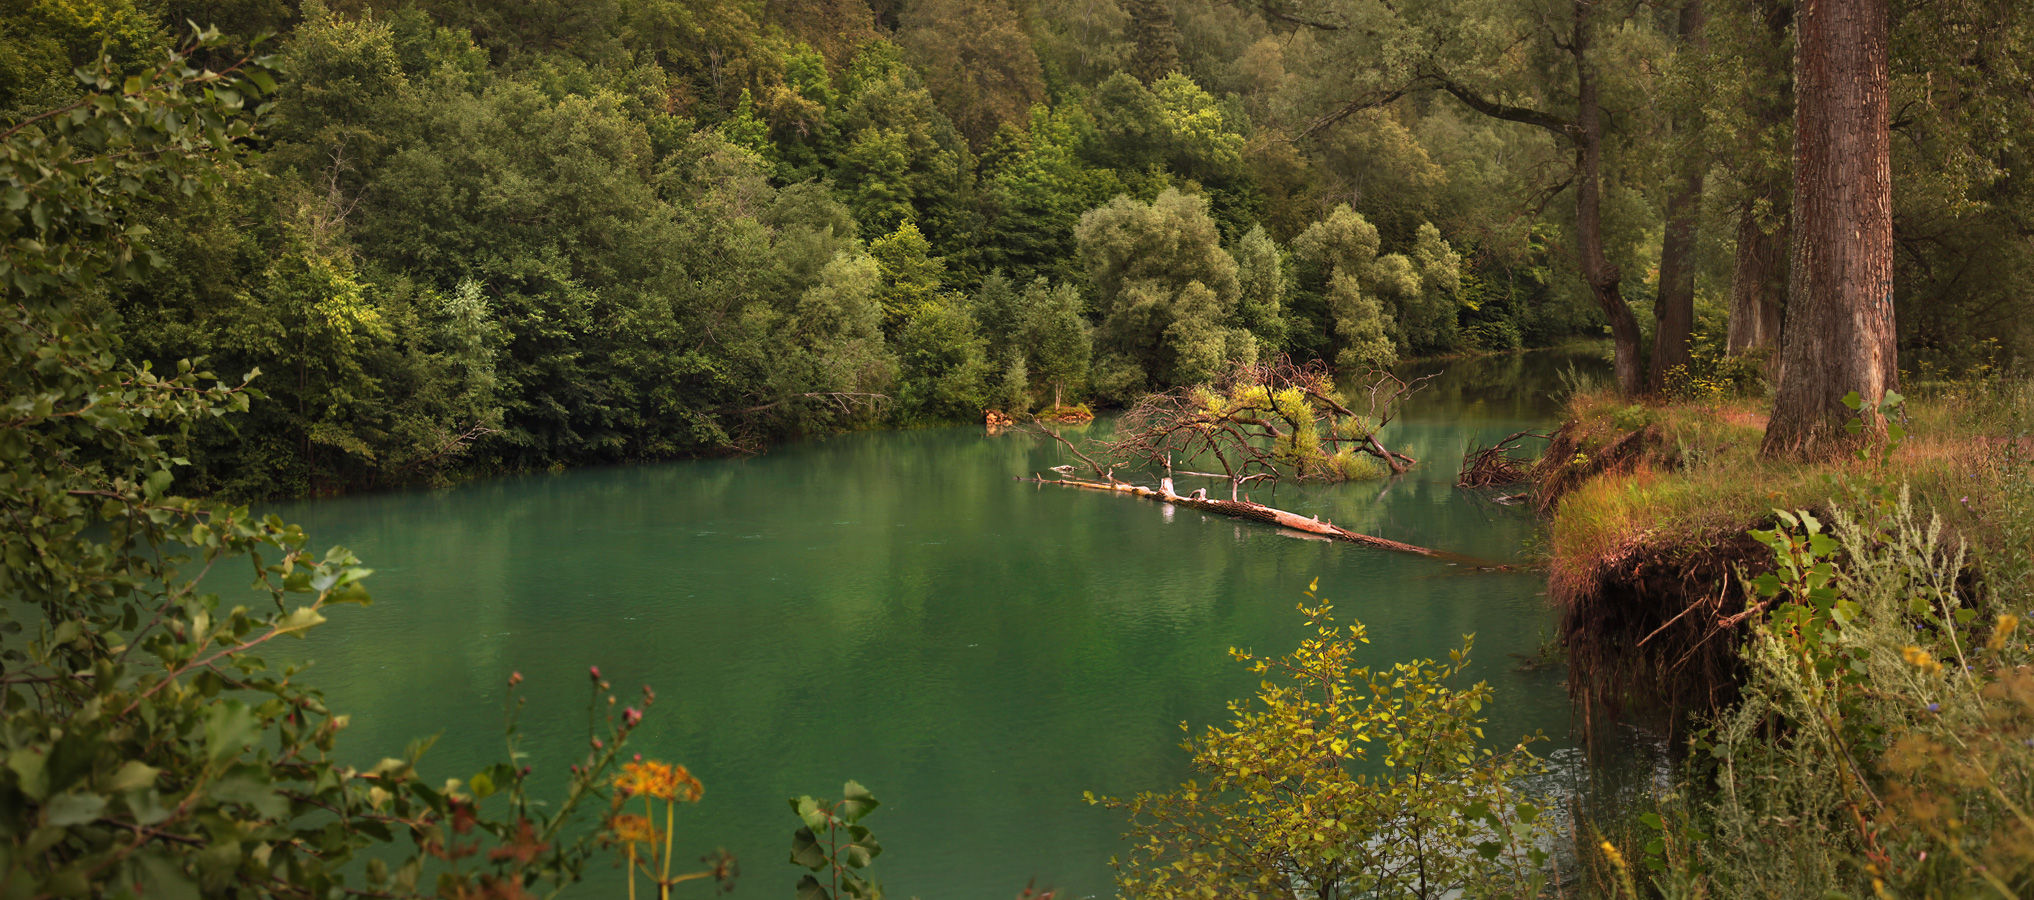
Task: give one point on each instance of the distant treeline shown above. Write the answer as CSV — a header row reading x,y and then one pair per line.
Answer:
x,y
502,236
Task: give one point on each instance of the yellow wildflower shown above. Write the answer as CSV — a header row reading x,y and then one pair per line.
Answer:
x,y
633,829
661,780
2004,630
1919,658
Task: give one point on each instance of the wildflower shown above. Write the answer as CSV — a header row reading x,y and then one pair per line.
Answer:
x,y
593,671
1934,707
633,829
630,717
1920,659
515,678
2007,624
661,780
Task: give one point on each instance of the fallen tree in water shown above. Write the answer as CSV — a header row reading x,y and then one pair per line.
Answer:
x,y
1258,512
1266,421
1260,423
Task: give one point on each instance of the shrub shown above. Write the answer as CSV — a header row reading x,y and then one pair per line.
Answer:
x,y
149,751
1294,805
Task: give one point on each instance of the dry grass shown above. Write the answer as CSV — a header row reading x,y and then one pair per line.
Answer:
x,y
1650,503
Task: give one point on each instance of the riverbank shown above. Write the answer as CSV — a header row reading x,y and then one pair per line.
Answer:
x,y
1651,506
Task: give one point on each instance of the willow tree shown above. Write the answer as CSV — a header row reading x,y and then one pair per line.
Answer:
x,y
1538,63
1167,290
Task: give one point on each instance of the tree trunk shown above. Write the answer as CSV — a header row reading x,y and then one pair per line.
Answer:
x,y
1674,304
1602,275
1244,509
1839,332
1757,282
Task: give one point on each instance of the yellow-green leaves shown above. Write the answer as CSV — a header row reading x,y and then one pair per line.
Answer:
x,y
1339,774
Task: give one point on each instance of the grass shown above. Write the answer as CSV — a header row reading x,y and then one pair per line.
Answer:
x,y
1650,502
1702,478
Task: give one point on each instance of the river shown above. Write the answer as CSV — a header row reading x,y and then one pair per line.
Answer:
x,y
893,607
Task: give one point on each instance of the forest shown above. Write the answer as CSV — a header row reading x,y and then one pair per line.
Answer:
x,y
256,250
476,238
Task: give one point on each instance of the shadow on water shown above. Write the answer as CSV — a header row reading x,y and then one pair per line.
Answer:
x,y
892,607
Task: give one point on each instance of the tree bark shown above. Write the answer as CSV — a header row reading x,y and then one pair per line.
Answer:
x,y
1839,328
1674,304
1602,275
1758,281
1757,284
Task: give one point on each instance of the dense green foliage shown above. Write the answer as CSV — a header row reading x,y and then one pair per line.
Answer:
x,y
500,237
479,239
149,752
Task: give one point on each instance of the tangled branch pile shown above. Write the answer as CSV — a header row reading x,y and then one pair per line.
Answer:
x,y
1267,421
1498,464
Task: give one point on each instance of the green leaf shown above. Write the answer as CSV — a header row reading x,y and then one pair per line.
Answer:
x,y
809,888
811,812
30,766
856,802
482,784
863,851
252,793
229,727
165,879
65,810
132,775
301,618
806,851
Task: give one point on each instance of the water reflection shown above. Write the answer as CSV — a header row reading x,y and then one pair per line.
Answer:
x,y
896,608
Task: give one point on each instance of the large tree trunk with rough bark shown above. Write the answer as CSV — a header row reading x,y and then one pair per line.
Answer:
x,y
1674,304
1839,333
1602,275
1758,281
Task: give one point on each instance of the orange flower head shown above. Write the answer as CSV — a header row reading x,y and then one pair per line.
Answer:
x,y
633,829
661,780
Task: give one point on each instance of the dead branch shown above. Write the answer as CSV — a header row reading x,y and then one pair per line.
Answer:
x,y
1108,474
1498,464
1264,421
452,445
845,401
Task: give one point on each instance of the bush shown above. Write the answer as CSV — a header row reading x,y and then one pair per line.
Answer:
x,y
148,751
1288,810
1888,721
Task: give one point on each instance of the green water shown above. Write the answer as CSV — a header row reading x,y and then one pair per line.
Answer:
x,y
894,608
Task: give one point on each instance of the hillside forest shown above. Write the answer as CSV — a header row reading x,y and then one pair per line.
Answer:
x,y
472,238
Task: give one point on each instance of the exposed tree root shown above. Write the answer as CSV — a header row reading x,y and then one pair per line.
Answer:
x,y
1258,512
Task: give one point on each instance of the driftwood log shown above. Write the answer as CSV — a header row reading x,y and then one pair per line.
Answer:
x,y
1258,512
